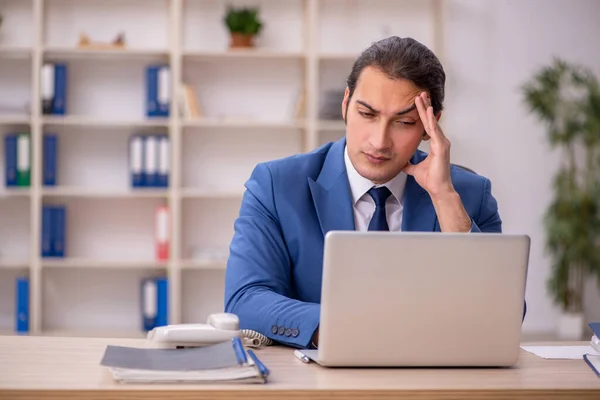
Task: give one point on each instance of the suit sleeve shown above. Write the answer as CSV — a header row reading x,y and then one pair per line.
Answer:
x,y
488,218
258,276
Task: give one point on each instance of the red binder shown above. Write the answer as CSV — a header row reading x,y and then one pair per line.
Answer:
x,y
162,233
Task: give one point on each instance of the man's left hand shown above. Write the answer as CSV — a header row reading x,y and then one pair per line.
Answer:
x,y
433,173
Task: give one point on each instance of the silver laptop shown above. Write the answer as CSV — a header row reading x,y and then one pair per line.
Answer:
x,y
421,299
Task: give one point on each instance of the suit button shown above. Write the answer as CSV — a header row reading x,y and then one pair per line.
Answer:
x,y
295,332
288,332
281,330
274,329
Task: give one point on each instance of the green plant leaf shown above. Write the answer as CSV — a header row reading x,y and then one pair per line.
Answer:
x,y
243,20
566,99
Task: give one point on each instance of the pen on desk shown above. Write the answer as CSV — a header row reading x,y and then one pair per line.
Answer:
x,y
301,356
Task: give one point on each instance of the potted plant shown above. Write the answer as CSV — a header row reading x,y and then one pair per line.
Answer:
x,y
243,24
566,98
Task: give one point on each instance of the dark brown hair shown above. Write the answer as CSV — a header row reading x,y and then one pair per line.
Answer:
x,y
403,58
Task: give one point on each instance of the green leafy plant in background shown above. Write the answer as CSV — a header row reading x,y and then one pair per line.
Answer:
x,y
566,97
243,24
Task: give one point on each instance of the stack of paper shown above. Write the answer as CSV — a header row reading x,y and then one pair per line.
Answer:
x,y
560,352
224,362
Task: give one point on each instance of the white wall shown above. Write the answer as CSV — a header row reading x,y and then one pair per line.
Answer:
x,y
492,48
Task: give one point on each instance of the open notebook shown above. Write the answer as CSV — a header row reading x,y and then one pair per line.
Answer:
x,y
222,362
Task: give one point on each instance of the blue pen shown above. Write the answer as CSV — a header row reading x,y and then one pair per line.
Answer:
x,y
264,371
238,347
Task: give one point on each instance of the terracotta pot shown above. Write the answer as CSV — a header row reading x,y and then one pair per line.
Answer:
x,y
241,40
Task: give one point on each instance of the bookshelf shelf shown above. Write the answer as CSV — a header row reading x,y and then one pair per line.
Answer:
x,y
331,125
73,53
102,264
97,333
14,120
16,52
203,264
13,264
241,123
192,193
16,192
241,54
98,193
96,122
249,111
349,57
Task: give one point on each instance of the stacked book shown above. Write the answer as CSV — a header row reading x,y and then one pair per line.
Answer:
x,y
222,362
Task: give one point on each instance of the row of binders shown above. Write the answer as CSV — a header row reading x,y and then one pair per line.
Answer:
x,y
17,159
154,310
158,92
149,160
54,223
54,87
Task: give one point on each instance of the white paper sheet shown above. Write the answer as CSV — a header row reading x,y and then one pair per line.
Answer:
x,y
560,352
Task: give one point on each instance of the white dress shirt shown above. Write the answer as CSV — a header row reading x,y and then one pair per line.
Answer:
x,y
363,203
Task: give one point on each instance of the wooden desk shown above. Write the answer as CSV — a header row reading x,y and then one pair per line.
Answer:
x,y
68,368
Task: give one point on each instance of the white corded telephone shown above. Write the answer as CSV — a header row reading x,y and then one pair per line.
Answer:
x,y
219,328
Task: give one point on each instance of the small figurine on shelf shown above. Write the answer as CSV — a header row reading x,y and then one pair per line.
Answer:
x,y
86,43
243,25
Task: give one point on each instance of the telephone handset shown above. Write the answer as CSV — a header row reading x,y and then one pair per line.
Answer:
x,y
220,327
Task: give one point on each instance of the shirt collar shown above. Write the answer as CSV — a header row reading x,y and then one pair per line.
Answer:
x,y
359,185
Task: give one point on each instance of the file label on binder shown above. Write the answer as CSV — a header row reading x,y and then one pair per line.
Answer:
x,y
151,161
163,161
23,160
136,161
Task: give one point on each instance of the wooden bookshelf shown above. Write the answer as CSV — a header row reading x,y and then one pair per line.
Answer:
x,y
248,99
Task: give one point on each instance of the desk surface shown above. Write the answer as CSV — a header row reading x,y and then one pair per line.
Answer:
x,y
68,368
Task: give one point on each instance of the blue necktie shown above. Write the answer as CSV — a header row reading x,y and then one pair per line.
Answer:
x,y
379,220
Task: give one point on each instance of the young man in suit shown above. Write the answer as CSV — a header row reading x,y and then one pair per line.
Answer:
x,y
372,179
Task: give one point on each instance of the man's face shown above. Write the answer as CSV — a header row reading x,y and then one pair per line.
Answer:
x,y
381,135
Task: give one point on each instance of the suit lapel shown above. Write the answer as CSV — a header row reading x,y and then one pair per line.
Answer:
x,y
331,192
418,214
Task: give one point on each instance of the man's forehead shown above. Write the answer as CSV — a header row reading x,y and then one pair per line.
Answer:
x,y
396,99
399,107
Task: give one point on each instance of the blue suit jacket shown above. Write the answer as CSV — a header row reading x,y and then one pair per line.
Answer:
x,y
273,277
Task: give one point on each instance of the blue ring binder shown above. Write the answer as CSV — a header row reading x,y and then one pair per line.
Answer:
x,y
264,371
238,347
